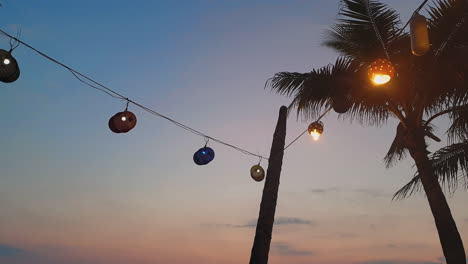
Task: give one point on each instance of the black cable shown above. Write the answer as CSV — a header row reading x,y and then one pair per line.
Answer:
x,y
414,13
98,86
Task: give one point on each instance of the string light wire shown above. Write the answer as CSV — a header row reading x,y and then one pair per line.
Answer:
x,y
412,15
98,86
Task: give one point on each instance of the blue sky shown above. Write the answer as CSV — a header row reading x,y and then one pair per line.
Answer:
x,y
73,192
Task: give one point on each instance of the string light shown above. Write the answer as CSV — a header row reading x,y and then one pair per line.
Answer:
x,y
381,71
315,130
98,86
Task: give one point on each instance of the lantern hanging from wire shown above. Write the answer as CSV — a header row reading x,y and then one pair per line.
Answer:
x,y
381,71
341,103
257,172
9,69
315,129
122,122
204,155
419,35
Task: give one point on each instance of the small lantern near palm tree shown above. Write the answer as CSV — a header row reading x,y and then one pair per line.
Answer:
x,y
257,173
315,130
9,69
341,103
419,35
381,71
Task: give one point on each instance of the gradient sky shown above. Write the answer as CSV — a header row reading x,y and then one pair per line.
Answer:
x,y
72,192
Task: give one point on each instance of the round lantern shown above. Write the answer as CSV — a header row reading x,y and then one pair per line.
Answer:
x,y
9,69
122,122
381,71
419,35
203,156
315,130
341,104
257,173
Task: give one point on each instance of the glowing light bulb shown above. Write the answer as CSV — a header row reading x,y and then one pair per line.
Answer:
x,y
258,170
381,71
203,152
6,61
379,79
124,118
315,134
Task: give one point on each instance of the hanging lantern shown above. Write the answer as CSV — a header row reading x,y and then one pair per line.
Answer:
x,y
419,35
341,104
203,156
381,71
9,69
122,122
257,173
315,130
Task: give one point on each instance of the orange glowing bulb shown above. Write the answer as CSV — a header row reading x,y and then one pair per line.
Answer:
x,y
381,71
315,135
315,130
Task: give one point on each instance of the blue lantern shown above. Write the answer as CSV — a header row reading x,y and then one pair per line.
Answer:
x,y
203,156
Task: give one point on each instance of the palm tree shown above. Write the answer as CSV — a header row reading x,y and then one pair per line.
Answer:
x,y
450,163
424,88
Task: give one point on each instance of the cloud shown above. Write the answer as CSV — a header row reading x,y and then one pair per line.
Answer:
x,y
372,192
285,249
279,221
396,262
292,221
407,245
324,190
9,251
375,193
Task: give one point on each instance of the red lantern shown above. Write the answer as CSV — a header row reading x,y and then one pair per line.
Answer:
x,y
122,122
381,71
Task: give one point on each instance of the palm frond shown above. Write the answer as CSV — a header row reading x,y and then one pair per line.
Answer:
x,y
458,130
409,189
312,91
448,25
397,150
365,30
450,165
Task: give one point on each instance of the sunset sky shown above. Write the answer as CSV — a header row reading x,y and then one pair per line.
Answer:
x,y
73,192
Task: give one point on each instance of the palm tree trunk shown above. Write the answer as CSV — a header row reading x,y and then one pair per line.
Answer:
x,y
449,236
266,218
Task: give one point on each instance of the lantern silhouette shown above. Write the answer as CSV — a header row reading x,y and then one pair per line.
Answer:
x,y
257,173
381,71
315,130
341,104
203,156
9,69
122,122
419,35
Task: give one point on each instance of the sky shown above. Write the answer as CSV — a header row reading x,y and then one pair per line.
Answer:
x,y
73,192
